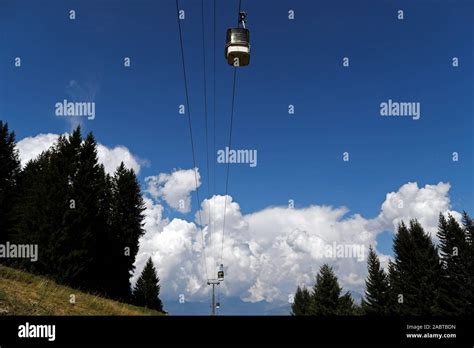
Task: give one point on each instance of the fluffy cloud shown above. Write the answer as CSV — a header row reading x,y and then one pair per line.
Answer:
x,y
411,202
262,260
112,157
175,188
30,147
268,252
176,249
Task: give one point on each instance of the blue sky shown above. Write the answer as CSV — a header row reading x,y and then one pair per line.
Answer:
x,y
295,62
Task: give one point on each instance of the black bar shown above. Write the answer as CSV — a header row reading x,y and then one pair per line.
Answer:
x,y
289,331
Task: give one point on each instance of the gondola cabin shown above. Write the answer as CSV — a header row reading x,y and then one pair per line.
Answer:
x,y
220,274
237,48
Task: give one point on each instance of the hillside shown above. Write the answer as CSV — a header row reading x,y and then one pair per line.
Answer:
x,y
22,293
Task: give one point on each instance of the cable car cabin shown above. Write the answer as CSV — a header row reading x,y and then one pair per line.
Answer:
x,y
237,48
220,273
220,276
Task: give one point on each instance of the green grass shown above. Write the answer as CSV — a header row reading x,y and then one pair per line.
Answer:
x,y
23,293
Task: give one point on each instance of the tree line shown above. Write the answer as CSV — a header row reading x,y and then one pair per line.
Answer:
x,y
86,223
422,279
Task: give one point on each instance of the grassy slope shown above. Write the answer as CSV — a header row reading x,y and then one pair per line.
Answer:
x,y
22,293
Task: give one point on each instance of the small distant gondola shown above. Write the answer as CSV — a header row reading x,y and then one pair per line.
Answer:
x,y
220,274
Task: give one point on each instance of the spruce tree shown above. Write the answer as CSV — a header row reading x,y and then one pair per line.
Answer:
x,y
346,305
415,273
63,208
126,228
9,171
454,287
147,289
64,205
87,224
402,279
326,299
88,232
376,287
46,211
302,302
31,214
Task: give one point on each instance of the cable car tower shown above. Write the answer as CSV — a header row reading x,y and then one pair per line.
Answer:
x,y
214,282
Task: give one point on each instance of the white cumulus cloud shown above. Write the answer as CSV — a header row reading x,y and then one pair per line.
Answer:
x,y
267,253
112,157
175,188
411,201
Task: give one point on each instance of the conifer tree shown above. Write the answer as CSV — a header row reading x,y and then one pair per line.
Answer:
x,y
456,290
326,299
415,273
346,305
33,214
83,235
302,302
60,179
126,227
9,171
377,290
454,247
86,223
147,289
